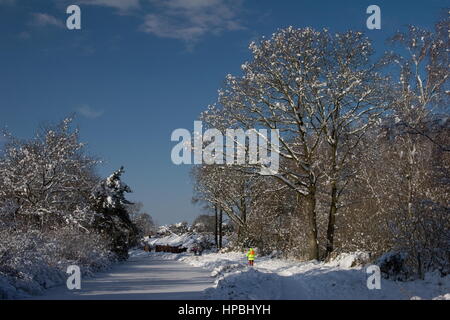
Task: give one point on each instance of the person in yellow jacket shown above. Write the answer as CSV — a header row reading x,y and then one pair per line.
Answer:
x,y
251,257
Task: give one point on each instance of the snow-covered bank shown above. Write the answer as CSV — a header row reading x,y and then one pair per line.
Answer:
x,y
287,279
33,262
36,279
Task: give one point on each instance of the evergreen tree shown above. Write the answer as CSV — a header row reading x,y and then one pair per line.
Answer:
x,y
112,218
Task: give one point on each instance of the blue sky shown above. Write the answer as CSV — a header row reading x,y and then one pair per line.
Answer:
x,y
138,69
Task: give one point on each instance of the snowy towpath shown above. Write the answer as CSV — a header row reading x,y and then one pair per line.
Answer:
x,y
142,277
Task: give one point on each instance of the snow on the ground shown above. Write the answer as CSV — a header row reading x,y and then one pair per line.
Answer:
x,y
274,278
143,277
291,280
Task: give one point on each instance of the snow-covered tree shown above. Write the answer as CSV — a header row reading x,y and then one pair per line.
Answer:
x,y
364,158
110,193
316,88
112,218
46,181
222,188
413,143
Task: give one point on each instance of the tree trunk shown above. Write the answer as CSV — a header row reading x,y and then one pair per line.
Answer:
x,y
332,219
309,206
409,177
243,212
334,179
220,228
216,238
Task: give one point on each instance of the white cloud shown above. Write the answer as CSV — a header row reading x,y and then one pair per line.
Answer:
x,y
163,27
189,20
122,5
88,112
44,19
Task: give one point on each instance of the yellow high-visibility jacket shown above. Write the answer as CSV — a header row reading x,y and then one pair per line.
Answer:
x,y
251,255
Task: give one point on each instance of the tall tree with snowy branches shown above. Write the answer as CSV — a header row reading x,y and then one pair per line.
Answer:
x,y
317,89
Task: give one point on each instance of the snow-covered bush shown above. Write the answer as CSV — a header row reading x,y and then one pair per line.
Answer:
x,y
32,261
393,266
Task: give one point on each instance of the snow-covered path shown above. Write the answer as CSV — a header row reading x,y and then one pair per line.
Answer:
x,y
142,277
